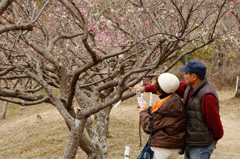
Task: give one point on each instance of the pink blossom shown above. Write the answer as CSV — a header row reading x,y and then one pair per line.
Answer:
x,y
121,19
18,0
30,42
14,4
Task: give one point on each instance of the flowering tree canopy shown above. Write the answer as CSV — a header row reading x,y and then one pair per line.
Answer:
x,y
93,51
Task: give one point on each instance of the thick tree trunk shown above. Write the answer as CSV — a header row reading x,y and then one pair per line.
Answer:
x,y
64,88
4,111
75,136
102,129
72,146
98,135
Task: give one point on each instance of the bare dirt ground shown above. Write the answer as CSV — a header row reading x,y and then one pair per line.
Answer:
x,y
22,136
229,146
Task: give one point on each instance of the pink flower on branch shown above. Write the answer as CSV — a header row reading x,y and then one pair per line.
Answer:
x,y
121,19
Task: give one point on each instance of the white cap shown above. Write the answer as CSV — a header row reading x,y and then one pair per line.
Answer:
x,y
168,82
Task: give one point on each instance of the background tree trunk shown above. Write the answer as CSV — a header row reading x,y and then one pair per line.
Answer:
x,y
237,95
220,61
4,111
186,60
214,62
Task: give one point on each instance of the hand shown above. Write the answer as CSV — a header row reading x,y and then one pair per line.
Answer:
x,y
135,88
145,106
147,82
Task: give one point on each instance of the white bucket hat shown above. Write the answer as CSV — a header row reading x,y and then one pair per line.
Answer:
x,y
168,82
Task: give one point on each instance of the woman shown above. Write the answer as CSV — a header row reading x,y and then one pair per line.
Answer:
x,y
169,119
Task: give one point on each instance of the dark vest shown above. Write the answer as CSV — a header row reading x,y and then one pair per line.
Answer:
x,y
197,131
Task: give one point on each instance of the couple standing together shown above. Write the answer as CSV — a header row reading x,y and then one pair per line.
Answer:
x,y
192,124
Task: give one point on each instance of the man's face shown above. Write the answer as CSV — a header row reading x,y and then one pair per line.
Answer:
x,y
189,78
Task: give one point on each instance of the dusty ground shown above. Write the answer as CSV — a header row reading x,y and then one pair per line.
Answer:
x,y
22,136
229,146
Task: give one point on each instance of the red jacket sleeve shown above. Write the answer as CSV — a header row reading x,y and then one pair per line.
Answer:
x,y
150,88
181,89
211,115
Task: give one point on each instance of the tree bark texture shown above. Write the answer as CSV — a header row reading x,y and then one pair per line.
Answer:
x,y
4,111
98,136
3,5
220,61
74,138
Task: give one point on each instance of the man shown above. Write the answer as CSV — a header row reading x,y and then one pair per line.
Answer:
x,y
204,127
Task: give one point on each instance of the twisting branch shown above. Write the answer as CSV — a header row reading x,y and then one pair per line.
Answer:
x,y
7,70
18,26
218,17
74,82
21,95
4,5
33,21
27,103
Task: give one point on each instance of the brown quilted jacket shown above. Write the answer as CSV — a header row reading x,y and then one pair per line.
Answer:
x,y
169,123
